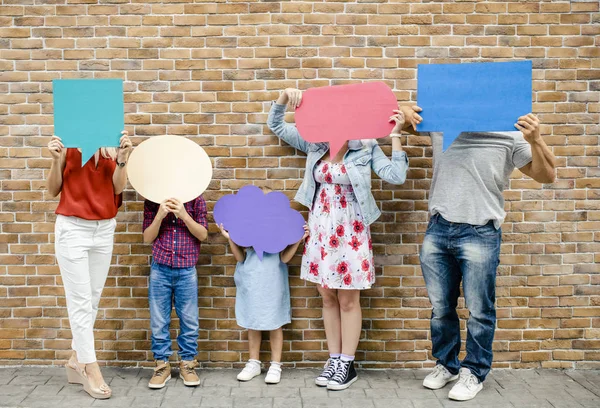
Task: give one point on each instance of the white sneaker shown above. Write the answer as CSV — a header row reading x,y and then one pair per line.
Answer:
x,y
466,388
274,373
251,370
438,378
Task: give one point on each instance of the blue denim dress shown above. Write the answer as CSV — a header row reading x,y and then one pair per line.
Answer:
x,y
262,300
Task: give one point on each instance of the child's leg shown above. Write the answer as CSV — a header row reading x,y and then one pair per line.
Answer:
x,y
274,374
254,339
186,307
276,339
252,368
160,297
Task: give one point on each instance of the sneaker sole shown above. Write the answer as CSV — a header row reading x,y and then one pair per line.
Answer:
x,y
437,387
340,387
321,383
272,381
247,379
189,383
159,386
462,398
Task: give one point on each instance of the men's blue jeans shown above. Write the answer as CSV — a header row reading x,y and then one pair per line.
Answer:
x,y
452,252
167,286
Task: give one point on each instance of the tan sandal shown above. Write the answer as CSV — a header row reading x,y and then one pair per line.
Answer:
x,y
74,376
104,392
79,376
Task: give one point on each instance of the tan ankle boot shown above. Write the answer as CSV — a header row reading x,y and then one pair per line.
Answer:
x,y
188,374
162,374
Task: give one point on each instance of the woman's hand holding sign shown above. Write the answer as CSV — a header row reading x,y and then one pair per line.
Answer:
x,y
56,147
125,147
290,96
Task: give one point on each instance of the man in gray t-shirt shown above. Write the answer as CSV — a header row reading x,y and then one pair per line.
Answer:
x,y
462,242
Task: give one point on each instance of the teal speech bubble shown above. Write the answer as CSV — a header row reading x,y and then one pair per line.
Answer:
x,y
88,113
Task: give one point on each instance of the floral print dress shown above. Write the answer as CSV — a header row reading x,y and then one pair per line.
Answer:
x,y
338,253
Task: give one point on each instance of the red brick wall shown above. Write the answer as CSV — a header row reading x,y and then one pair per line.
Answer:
x,y
208,70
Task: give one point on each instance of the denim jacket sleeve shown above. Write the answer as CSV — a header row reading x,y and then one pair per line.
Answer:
x,y
393,171
286,132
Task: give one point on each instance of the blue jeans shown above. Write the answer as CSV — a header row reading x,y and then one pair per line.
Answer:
x,y
178,285
452,252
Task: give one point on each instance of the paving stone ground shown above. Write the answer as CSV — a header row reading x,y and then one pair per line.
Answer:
x,y
47,387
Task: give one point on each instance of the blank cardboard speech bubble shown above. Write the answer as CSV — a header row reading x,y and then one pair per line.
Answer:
x,y
339,113
164,167
88,113
265,222
473,97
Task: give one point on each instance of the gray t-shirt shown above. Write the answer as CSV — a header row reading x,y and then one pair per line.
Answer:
x,y
470,176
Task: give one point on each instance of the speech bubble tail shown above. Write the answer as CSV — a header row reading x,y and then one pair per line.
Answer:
x,y
449,137
259,252
86,155
334,147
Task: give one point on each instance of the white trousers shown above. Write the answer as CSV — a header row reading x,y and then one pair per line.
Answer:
x,y
83,251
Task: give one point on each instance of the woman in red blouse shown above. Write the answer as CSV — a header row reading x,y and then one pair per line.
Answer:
x,y
90,196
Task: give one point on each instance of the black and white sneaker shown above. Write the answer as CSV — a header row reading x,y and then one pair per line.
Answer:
x,y
344,376
328,372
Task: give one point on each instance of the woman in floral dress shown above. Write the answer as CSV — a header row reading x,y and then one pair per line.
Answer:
x,y
338,254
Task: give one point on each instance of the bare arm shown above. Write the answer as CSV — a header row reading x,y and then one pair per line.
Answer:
x,y
59,156
412,118
543,163
120,174
238,253
287,254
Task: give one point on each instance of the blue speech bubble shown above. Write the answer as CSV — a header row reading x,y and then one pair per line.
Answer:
x,y
473,97
88,113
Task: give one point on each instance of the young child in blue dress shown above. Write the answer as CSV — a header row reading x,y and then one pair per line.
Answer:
x,y
262,303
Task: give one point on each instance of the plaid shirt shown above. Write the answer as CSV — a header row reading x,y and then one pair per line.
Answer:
x,y
175,246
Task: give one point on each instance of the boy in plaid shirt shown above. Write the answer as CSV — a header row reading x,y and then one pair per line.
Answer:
x,y
175,231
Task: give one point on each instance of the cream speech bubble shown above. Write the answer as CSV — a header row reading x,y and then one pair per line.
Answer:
x,y
164,167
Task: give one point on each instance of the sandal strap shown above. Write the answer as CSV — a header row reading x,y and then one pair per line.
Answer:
x,y
104,388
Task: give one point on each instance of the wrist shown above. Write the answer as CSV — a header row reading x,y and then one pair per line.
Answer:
x,y
536,140
283,99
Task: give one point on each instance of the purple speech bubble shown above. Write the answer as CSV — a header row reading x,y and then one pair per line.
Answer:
x,y
263,221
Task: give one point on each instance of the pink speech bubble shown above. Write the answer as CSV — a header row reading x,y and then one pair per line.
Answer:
x,y
339,113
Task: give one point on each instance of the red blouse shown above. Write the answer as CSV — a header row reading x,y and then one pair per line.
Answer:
x,y
88,192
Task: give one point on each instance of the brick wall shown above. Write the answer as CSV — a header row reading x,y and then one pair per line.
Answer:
x,y
208,70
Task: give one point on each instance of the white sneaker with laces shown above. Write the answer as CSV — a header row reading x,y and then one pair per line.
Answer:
x,y
274,373
438,378
251,370
467,386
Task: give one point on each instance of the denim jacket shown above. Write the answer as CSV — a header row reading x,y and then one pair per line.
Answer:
x,y
358,160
